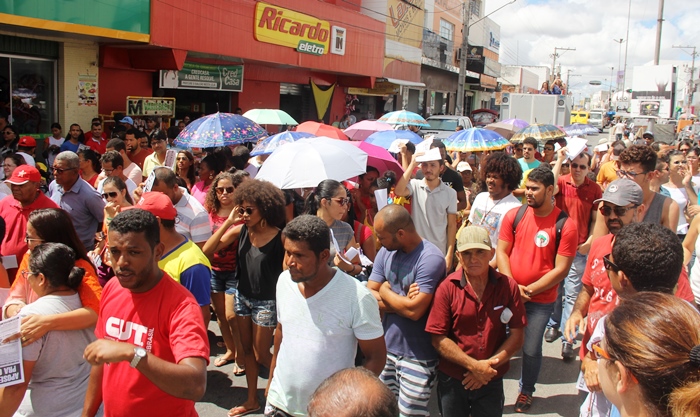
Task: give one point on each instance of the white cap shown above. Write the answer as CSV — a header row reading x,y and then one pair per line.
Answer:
x,y
463,166
431,155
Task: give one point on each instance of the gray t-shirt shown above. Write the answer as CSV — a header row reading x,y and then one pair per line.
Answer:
x,y
430,210
60,376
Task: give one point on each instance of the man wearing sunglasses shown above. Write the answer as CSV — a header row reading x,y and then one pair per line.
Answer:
x,y
640,257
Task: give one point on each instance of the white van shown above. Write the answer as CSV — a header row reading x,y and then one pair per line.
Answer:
x,y
595,118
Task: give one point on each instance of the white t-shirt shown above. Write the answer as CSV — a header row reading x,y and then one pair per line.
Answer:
x,y
680,196
488,213
595,404
320,336
134,173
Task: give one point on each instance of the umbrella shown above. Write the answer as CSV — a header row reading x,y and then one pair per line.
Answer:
x,y
271,143
307,162
219,129
361,130
270,117
387,137
576,129
379,158
541,132
321,129
519,123
403,117
475,140
590,129
504,129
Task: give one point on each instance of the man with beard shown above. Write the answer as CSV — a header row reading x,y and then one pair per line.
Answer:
x,y
538,268
325,314
136,153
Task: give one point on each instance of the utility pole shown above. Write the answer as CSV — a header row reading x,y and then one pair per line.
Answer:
x,y
657,48
619,59
627,44
691,82
554,60
612,69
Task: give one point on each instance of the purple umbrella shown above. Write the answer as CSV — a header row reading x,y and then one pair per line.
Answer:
x,y
519,123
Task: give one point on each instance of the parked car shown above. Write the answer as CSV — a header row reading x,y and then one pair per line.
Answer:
x,y
595,118
443,126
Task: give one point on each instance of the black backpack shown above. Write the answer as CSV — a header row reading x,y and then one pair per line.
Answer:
x,y
561,220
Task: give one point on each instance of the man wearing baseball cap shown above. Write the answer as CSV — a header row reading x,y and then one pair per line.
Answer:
x,y
182,259
471,309
622,203
26,197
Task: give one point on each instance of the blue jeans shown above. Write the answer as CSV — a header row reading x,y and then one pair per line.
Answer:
x,y
568,291
537,317
455,401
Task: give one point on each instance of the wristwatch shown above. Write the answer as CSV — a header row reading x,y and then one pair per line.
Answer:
x,y
139,353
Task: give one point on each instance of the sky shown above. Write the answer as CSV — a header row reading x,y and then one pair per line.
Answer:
x,y
531,29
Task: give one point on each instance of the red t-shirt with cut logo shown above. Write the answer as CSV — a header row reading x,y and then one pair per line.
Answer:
x,y
532,251
167,322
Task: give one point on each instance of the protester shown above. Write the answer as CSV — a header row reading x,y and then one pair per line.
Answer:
x,y
361,194
117,198
209,168
352,392
113,166
308,350
95,139
157,158
448,175
468,321
680,186
364,235
136,154
10,162
406,259
184,168
608,169
74,139
55,373
131,170
52,144
528,161
89,166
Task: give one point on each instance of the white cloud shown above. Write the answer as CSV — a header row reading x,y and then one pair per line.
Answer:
x,y
531,29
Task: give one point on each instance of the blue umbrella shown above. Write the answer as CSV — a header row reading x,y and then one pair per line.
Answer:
x,y
219,129
405,118
270,143
576,129
475,140
385,138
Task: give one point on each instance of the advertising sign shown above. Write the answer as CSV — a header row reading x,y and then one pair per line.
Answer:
x,y
652,91
195,76
284,27
404,30
150,106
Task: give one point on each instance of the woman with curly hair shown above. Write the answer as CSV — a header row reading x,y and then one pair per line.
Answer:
x,y
260,206
219,204
649,359
184,168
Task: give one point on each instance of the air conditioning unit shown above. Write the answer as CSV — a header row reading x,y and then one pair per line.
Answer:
x,y
505,99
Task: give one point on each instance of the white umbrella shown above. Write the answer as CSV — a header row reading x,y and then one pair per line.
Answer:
x,y
270,117
307,162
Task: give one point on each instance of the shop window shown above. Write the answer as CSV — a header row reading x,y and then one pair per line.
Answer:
x,y
28,93
447,30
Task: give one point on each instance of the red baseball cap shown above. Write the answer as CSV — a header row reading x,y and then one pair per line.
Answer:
x,y
24,174
27,141
158,204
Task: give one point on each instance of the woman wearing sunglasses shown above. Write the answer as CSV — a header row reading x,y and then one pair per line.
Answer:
x,y
10,140
55,226
330,202
55,374
219,204
649,358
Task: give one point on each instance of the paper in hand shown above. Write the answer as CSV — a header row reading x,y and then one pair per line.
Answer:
x,y
381,196
575,146
395,146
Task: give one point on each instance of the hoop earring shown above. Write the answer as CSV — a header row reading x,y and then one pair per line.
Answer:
x,y
263,224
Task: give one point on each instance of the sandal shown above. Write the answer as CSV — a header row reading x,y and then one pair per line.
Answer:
x,y
241,411
221,361
237,370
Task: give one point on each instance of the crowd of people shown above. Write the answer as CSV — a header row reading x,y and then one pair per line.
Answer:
x,y
475,258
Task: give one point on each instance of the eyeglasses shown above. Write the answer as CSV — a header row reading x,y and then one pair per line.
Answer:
x,y
685,150
108,171
343,201
220,190
601,353
610,265
564,165
26,273
62,170
619,211
245,210
579,166
29,239
621,173
112,194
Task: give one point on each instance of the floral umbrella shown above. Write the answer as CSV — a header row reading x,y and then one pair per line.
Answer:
x,y
404,118
475,140
270,143
219,129
541,132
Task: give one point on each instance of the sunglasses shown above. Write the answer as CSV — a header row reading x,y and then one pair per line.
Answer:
x,y
220,190
601,353
29,239
619,211
628,174
245,210
579,166
610,265
343,201
564,165
61,170
112,194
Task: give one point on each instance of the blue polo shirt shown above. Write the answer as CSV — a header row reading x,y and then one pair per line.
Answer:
x,y
84,206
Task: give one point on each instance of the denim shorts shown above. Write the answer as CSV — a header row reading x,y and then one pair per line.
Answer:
x,y
262,312
223,280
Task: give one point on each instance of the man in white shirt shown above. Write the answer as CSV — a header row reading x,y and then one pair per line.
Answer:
x,y
131,170
113,166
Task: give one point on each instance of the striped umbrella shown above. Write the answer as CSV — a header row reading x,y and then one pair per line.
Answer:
x,y
540,132
404,118
475,140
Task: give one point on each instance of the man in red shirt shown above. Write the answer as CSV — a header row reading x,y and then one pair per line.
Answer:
x,y
15,210
468,320
537,256
575,196
96,139
133,148
149,330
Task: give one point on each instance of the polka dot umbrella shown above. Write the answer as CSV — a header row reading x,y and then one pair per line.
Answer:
x,y
219,129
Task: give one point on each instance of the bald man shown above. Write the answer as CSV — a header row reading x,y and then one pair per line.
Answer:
x,y
406,260
352,392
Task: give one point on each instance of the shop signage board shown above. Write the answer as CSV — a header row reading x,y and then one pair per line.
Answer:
x,y
150,106
196,76
306,34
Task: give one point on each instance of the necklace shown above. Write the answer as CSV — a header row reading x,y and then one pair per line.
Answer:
x,y
488,212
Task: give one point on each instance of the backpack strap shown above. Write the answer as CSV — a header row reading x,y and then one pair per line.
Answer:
x,y
561,221
518,216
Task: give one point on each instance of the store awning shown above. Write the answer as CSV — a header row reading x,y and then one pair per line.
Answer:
x,y
405,83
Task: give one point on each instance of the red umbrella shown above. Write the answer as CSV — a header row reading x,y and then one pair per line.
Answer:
x,y
321,129
379,158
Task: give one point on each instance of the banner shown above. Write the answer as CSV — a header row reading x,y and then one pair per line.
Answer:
x,y
195,76
322,98
150,106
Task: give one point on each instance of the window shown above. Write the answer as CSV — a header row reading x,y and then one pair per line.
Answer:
x,y
475,8
447,29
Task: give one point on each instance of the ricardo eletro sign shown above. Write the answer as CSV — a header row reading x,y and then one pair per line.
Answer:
x,y
284,27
